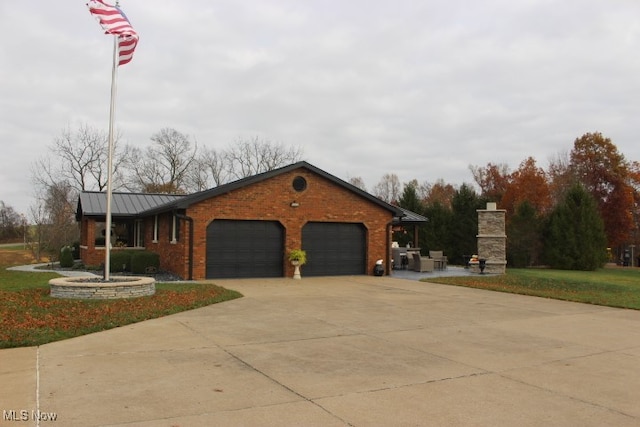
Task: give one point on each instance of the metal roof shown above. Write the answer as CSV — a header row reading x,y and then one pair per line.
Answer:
x,y
133,204
409,218
94,203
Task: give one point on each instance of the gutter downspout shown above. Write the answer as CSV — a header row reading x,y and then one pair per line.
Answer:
x,y
190,221
387,261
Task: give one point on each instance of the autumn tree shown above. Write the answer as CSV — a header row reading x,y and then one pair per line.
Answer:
x,y
492,180
634,174
527,183
437,192
596,163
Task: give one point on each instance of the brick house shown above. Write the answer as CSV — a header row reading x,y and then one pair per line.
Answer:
x,y
247,227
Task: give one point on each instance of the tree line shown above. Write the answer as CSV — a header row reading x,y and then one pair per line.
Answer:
x,y
172,163
583,203
580,212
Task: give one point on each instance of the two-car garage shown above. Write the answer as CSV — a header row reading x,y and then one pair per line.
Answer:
x,y
245,248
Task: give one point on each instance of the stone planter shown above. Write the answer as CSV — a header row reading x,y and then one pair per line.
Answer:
x,y
296,271
91,287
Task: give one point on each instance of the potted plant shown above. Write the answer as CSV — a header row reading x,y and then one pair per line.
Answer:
x,y
297,257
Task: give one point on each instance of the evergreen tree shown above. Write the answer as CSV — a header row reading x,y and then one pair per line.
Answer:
x,y
524,237
463,228
575,236
434,235
409,200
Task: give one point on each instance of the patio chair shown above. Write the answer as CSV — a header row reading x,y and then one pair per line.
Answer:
x,y
439,259
422,263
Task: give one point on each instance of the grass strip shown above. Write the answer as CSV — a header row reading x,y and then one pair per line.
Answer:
x,y
612,287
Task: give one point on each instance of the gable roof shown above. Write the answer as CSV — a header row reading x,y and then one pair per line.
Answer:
x,y
94,203
191,199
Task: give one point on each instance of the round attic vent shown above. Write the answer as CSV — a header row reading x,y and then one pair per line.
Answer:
x,y
299,183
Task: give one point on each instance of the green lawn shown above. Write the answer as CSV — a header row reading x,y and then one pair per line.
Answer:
x,y
615,287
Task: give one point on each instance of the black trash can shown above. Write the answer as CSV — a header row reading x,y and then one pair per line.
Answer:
x,y
466,259
378,270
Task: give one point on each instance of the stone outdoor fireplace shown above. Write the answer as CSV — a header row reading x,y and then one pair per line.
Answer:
x,y
492,240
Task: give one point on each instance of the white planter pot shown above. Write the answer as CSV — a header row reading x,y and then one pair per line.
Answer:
x,y
296,271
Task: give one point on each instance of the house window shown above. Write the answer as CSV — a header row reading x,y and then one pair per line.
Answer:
x,y
155,229
299,183
175,229
138,237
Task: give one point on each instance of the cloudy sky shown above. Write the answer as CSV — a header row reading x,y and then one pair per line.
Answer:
x,y
419,88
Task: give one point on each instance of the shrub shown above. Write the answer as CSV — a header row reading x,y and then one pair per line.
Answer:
x,y
141,260
120,261
76,250
66,257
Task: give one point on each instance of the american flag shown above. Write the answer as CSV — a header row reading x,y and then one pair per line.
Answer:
x,y
114,21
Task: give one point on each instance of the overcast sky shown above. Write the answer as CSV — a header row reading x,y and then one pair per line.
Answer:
x,y
422,89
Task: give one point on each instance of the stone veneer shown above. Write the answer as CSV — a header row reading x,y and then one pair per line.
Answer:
x,y
492,240
77,288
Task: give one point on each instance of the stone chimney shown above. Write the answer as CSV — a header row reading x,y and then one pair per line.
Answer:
x,y
492,240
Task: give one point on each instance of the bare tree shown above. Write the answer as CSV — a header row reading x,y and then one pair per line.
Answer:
x,y
164,166
10,223
208,170
357,181
39,228
388,189
80,158
53,219
247,157
560,175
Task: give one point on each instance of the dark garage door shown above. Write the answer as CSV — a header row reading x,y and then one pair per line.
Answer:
x,y
334,249
244,249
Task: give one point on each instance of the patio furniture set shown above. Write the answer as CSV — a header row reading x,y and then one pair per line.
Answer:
x,y
411,258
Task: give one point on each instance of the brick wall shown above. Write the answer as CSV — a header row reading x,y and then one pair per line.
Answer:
x,y
321,201
173,255
271,199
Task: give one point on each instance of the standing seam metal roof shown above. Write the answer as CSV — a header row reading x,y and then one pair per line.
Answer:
x,y
132,204
94,203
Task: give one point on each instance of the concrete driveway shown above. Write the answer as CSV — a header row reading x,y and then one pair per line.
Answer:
x,y
341,351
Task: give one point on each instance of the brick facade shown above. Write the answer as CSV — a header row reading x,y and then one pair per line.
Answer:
x,y
271,199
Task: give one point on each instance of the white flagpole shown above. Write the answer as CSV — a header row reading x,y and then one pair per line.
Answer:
x,y
112,112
